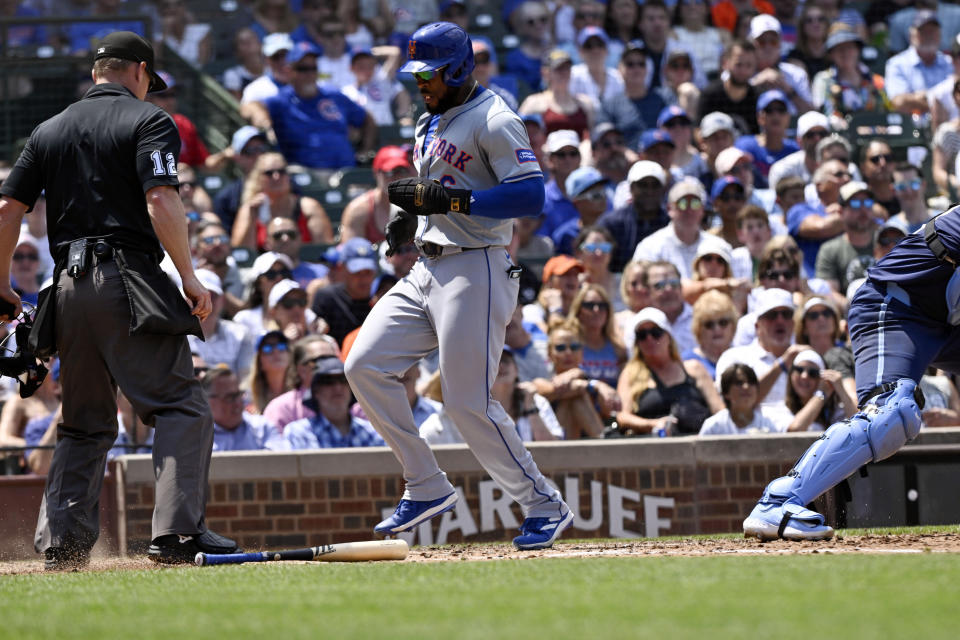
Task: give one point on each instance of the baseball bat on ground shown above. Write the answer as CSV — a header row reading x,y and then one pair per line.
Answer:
x,y
395,549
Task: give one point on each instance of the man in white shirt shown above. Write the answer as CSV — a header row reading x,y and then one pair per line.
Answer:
x,y
225,342
678,241
275,49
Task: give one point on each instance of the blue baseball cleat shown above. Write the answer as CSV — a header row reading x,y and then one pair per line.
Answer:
x,y
410,513
788,521
539,533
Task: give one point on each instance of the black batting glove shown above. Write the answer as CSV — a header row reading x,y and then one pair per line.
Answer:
x,y
424,197
400,229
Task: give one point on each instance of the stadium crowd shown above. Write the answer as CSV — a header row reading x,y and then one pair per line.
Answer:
x,y
712,204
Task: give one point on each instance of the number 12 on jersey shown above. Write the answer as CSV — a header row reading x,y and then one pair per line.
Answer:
x,y
158,164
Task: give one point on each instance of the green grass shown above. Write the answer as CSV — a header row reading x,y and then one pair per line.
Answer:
x,y
819,596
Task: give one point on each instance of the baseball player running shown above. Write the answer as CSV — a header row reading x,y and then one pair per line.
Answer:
x,y
903,319
476,172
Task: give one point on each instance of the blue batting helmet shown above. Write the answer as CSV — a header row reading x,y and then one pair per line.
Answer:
x,y
441,44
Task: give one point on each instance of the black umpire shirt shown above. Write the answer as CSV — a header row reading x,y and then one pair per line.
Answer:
x,y
96,159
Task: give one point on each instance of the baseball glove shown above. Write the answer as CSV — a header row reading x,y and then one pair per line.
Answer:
x,y
425,198
400,229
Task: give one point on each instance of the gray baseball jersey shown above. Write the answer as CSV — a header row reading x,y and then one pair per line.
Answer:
x,y
476,145
458,303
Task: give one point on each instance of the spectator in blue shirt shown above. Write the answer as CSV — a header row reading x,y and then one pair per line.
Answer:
x,y
563,157
313,124
771,144
637,219
333,426
233,428
82,36
909,75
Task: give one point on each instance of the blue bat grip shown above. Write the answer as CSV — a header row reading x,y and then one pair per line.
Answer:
x,y
204,559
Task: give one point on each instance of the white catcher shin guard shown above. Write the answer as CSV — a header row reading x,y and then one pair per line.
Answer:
x,y
873,434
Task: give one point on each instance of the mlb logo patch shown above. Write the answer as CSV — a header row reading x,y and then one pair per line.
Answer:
x,y
525,155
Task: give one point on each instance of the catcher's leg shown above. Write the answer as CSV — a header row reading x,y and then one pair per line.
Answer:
x,y
871,435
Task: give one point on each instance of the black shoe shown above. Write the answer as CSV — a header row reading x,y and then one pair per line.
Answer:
x,y
179,549
65,559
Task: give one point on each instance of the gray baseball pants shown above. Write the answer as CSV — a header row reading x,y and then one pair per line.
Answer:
x,y
460,303
155,373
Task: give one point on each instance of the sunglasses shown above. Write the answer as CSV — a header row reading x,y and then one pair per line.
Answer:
x,y
565,154
284,236
593,196
679,64
233,396
811,372
562,347
594,43
816,133
734,196
29,257
814,315
689,203
789,274
611,143
292,303
771,110
273,274
723,323
537,20
860,203
306,69
212,240
654,332
633,64
275,173
427,76
313,361
595,306
903,186
676,122
782,314
602,247
886,157
673,283
270,347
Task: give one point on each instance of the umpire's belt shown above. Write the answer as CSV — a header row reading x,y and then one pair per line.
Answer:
x,y
433,250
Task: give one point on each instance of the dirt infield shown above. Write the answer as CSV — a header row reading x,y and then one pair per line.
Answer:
x,y
691,547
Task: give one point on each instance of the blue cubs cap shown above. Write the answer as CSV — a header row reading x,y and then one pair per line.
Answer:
x,y
357,254
669,113
774,95
653,137
582,179
300,51
722,183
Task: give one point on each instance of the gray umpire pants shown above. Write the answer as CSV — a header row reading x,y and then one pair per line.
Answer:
x,y
460,303
156,373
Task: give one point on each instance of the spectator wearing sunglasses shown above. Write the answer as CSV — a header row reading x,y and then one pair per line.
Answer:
x,y
847,256
268,375
666,294
587,190
594,249
25,268
815,396
812,127
345,305
581,404
687,160
283,236
714,322
294,404
366,215
820,325
287,311
267,270
636,109
530,21
603,351
486,71
811,224
641,215
657,389
743,414
712,272
234,427
211,250
246,145
771,353
911,188
727,197
876,163
679,241
333,426
563,158
267,193
224,341
592,77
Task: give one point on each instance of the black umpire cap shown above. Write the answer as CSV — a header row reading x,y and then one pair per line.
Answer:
x,y
126,45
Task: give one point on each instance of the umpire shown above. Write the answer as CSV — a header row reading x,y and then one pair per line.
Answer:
x,y
108,164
